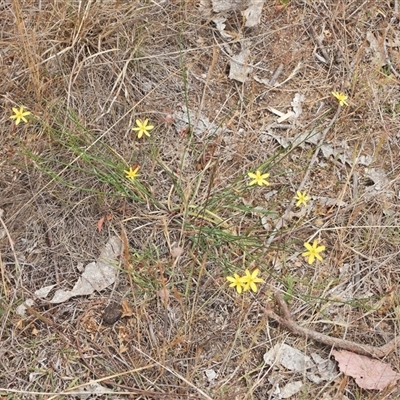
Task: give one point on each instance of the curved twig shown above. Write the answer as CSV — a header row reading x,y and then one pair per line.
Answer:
x,y
286,320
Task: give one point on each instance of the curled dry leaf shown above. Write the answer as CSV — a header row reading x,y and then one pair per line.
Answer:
x,y
126,309
368,373
101,221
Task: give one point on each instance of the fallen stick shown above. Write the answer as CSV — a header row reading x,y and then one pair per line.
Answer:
x,y
276,75
286,320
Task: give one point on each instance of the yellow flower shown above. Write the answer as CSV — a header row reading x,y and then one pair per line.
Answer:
x,y
250,280
301,198
313,251
258,178
341,97
131,174
237,282
143,128
19,115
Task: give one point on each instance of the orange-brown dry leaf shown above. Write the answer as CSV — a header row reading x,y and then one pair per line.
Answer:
x,y
100,222
367,372
20,324
126,309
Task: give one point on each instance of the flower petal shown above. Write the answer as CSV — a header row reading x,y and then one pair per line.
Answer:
x,y
308,246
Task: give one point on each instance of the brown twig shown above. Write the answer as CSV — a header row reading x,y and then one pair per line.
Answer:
x,y
38,315
286,320
276,75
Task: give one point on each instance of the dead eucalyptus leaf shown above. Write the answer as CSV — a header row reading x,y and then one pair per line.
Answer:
x,y
253,12
44,291
97,275
289,357
368,373
240,67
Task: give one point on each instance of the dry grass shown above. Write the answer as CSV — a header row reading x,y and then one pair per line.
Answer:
x,y
86,71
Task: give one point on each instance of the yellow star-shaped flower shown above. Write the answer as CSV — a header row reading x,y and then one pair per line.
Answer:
x,y
250,280
143,128
258,178
301,198
236,282
313,251
132,173
19,115
341,98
